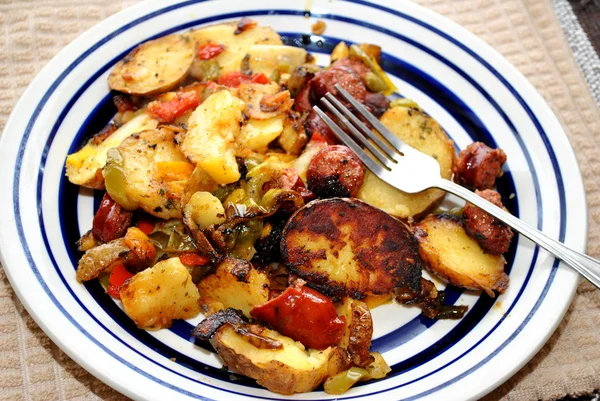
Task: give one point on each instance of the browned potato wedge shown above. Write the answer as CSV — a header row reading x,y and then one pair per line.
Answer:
x,y
156,296
344,247
85,166
210,140
424,134
153,67
454,256
287,370
359,331
235,284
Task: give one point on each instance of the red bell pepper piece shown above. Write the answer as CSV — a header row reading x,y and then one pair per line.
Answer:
x,y
193,259
304,315
171,109
146,226
209,50
260,78
235,78
117,278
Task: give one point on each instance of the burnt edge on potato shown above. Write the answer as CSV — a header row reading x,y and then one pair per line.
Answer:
x,y
209,326
401,265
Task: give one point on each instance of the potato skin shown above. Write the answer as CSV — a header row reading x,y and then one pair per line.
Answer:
x,y
153,67
359,331
457,258
275,374
344,247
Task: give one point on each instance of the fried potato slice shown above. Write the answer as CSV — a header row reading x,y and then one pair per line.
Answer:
x,y
236,46
457,258
288,370
154,171
156,296
154,66
345,247
235,284
210,141
85,166
422,133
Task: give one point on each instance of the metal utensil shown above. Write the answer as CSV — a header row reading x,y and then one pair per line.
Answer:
x,y
394,162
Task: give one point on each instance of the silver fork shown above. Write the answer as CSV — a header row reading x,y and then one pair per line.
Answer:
x,y
394,162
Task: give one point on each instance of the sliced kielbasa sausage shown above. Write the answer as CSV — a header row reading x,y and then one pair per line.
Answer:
x,y
335,171
478,166
111,220
492,235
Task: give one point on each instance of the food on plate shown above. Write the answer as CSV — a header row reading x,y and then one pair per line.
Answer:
x,y
275,361
153,67
359,330
492,235
227,196
85,166
335,171
303,314
450,253
234,284
345,247
153,298
477,166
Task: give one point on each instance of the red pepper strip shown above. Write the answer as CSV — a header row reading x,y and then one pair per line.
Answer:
x,y
209,50
234,79
304,315
193,259
145,226
171,109
260,78
117,278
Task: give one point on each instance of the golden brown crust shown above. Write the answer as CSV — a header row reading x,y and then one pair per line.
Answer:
x,y
344,247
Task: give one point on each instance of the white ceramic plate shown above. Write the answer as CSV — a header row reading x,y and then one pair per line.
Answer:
x,y
465,85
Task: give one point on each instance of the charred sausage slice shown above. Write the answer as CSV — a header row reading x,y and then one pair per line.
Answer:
x,y
478,166
335,171
492,235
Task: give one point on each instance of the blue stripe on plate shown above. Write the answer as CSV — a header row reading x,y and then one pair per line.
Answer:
x,y
36,113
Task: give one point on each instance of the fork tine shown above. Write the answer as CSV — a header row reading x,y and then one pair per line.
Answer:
x,y
362,155
387,134
357,135
387,149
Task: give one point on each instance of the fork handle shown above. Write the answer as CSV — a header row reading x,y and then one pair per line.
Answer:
x,y
586,266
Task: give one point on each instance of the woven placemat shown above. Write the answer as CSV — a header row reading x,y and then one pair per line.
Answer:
x,y
524,31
